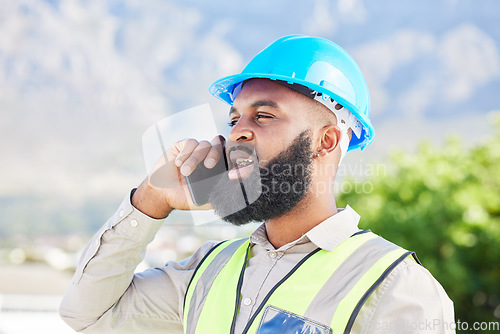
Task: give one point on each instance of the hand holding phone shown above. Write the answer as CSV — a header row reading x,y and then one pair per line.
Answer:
x,y
167,187
191,160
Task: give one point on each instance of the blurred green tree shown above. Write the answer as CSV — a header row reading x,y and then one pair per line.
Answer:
x,y
444,203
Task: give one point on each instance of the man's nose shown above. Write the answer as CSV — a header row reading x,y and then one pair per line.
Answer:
x,y
241,131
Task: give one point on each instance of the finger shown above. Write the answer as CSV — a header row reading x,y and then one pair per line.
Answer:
x,y
183,149
216,151
197,156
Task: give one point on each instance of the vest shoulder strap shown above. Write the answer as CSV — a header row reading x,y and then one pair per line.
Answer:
x,y
225,255
331,287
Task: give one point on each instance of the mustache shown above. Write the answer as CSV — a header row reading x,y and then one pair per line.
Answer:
x,y
245,148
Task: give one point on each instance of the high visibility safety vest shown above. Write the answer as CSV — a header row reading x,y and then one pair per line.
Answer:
x,y
326,288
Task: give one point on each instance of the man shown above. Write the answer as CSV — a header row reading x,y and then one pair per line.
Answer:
x,y
297,108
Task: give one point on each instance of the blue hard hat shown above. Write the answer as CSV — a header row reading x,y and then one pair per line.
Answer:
x,y
313,62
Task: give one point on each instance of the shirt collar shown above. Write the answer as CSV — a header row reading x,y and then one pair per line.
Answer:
x,y
335,229
326,235
259,236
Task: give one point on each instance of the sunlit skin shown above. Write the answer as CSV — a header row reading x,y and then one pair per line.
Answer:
x,y
267,116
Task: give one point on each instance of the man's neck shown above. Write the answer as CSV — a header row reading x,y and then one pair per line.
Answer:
x,y
307,214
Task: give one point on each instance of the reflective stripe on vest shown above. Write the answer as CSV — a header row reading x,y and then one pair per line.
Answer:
x,y
327,287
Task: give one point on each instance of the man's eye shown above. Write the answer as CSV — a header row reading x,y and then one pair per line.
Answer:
x,y
233,122
259,116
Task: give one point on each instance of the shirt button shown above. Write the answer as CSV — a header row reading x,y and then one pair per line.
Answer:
x,y
247,302
121,213
133,223
272,255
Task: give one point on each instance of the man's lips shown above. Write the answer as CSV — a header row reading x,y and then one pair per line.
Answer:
x,y
241,156
242,161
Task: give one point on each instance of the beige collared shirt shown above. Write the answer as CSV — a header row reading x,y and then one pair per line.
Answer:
x,y
106,296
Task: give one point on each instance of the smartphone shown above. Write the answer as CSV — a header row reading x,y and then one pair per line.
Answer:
x,y
202,180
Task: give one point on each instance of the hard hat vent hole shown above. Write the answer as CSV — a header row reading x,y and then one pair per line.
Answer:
x,y
338,106
342,121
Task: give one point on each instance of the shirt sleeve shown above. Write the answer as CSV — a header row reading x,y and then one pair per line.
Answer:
x,y
409,300
105,296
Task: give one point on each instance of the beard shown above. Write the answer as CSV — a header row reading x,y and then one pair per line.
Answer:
x,y
276,188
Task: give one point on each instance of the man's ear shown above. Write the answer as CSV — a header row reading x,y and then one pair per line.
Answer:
x,y
329,139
